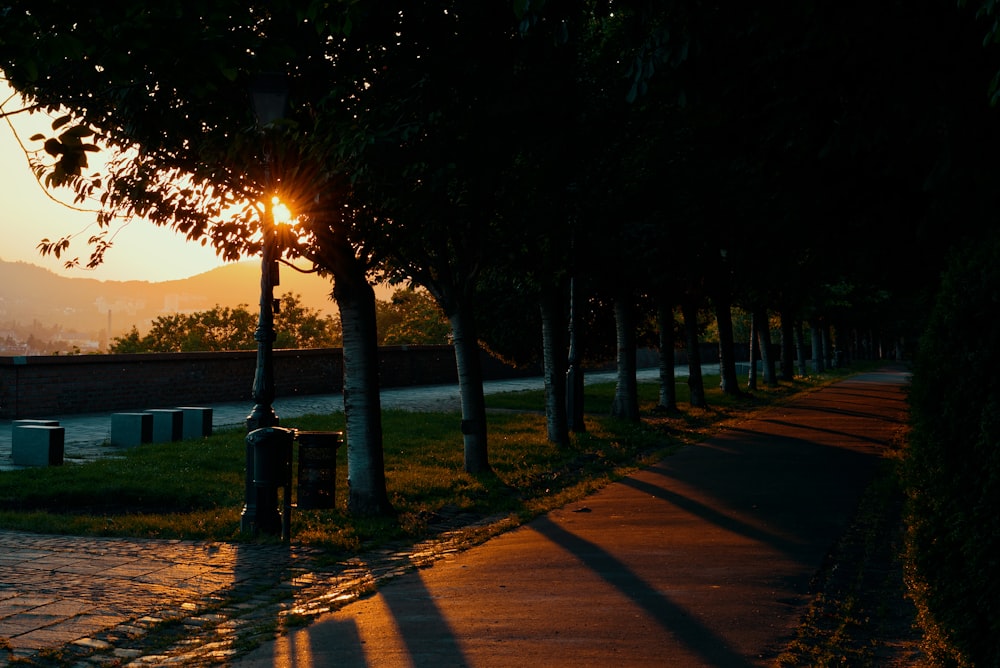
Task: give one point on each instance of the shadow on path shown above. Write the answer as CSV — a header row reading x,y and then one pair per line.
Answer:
x,y
674,619
392,631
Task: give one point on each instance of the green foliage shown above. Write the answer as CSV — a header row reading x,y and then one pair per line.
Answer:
x,y
411,316
299,326
224,328
952,469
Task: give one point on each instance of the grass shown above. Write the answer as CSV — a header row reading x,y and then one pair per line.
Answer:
x,y
195,489
860,613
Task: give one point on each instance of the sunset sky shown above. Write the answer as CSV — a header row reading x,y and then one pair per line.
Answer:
x,y
141,250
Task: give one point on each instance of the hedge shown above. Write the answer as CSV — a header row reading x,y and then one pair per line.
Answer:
x,y
952,468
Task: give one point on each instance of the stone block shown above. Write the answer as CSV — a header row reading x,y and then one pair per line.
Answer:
x,y
43,423
37,444
131,429
168,424
197,422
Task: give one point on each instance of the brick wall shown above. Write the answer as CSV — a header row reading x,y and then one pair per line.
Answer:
x,y
53,385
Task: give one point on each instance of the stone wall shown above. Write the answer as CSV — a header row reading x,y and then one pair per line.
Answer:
x,y
54,385
65,384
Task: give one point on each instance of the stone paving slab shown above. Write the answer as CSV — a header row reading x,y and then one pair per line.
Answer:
x,y
50,598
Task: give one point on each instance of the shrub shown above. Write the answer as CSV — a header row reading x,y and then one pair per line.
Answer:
x,y
952,468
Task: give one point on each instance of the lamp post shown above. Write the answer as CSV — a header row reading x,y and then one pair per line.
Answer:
x,y
270,94
263,414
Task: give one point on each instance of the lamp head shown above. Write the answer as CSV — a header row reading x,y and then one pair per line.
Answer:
x,y
269,91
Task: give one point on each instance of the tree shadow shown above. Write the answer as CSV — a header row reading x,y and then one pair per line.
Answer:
x,y
672,617
393,630
789,489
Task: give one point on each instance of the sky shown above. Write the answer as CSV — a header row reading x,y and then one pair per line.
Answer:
x,y
142,251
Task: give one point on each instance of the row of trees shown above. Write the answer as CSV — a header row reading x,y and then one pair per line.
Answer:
x,y
542,169
409,317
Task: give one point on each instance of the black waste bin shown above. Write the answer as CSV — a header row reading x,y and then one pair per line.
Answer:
x,y
271,457
318,469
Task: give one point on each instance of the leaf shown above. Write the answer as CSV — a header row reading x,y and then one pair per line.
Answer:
x,y
61,121
38,137
53,147
78,131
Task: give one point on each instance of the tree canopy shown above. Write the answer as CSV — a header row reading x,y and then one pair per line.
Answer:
x,y
225,328
816,159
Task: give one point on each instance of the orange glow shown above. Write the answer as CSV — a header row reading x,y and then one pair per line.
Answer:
x,y
282,214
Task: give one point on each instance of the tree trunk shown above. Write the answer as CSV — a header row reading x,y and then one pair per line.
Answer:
x,y
787,347
668,381
626,402
362,405
800,349
574,373
470,385
696,384
817,347
729,383
554,367
752,373
828,354
764,338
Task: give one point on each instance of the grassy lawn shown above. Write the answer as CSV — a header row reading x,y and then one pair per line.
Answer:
x,y
195,489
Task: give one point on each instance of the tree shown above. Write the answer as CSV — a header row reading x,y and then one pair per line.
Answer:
x,y
439,186
225,328
411,317
464,147
166,85
666,328
762,325
298,326
689,309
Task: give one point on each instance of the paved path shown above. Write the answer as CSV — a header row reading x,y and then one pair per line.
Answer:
x,y
701,560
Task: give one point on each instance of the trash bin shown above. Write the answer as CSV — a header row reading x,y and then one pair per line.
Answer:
x,y
272,468
272,456
318,469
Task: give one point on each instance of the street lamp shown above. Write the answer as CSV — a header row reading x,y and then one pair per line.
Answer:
x,y
263,414
266,444
270,96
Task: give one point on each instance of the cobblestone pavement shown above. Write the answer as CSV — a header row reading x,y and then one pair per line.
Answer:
x,y
93,601
70,601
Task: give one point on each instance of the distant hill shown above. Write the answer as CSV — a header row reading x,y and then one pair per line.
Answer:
x,y
30,293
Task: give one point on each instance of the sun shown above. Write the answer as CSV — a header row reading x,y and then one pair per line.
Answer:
x,y
281,213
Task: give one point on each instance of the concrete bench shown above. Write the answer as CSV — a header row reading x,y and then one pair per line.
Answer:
x,y
168,424
131,429
197,422
37,443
